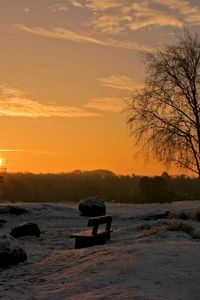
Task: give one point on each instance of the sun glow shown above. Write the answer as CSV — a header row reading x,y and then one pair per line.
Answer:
x,y
1,162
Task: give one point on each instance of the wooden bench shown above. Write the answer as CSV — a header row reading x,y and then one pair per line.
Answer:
x,y
96,236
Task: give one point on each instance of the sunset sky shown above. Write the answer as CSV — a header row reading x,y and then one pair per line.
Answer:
x,y
67,70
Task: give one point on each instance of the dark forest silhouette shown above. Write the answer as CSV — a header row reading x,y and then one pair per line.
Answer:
x,y
71,187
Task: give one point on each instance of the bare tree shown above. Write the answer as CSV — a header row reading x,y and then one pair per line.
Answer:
x,y
164,116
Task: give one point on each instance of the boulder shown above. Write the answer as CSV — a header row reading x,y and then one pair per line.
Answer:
x,y
92,207
2,221
26,229
10,251
15,210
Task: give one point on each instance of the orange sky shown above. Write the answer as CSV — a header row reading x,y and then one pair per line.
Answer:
x,y
67,70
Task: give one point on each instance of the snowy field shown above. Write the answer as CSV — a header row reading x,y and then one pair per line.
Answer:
x,y
148,258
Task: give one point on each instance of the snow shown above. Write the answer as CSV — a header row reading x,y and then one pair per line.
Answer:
x,y
143,260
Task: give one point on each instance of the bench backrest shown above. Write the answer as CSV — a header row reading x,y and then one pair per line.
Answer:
x,y
100,220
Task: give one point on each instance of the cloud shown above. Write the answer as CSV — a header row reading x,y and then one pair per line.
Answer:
x,y
116,16
80,37
104,4
30,150
189,12
107,104
60,33
10,150
58,7
14,103
76,3
27,10
120,82
109,24
145,16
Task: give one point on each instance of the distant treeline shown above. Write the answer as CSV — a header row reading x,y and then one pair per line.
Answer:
x,y
71,187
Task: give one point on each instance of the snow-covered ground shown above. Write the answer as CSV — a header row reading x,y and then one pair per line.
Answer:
x,y
143,260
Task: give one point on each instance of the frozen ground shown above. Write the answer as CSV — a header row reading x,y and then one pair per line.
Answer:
x,y
143,260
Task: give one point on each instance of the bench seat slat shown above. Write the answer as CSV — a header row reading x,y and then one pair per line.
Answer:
x,y
88,233
99,220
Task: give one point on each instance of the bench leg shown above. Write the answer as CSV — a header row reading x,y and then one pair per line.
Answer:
x,y
83,242
102,239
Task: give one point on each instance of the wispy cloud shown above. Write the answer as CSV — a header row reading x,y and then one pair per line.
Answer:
x,y
103,5
107,104
76,3
109,24
120,82
27,10
189,11
61,33
15,103
80,37
7,150
116,16
10,150
58,7
144,16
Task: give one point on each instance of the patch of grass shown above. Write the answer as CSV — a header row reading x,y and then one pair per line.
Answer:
x,y
181,226
182,215
143,227
196,215
150,232
186,215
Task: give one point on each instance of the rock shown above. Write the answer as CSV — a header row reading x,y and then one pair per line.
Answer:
x,y
10,251
92,207
15,210
26,229
2,221
4,209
